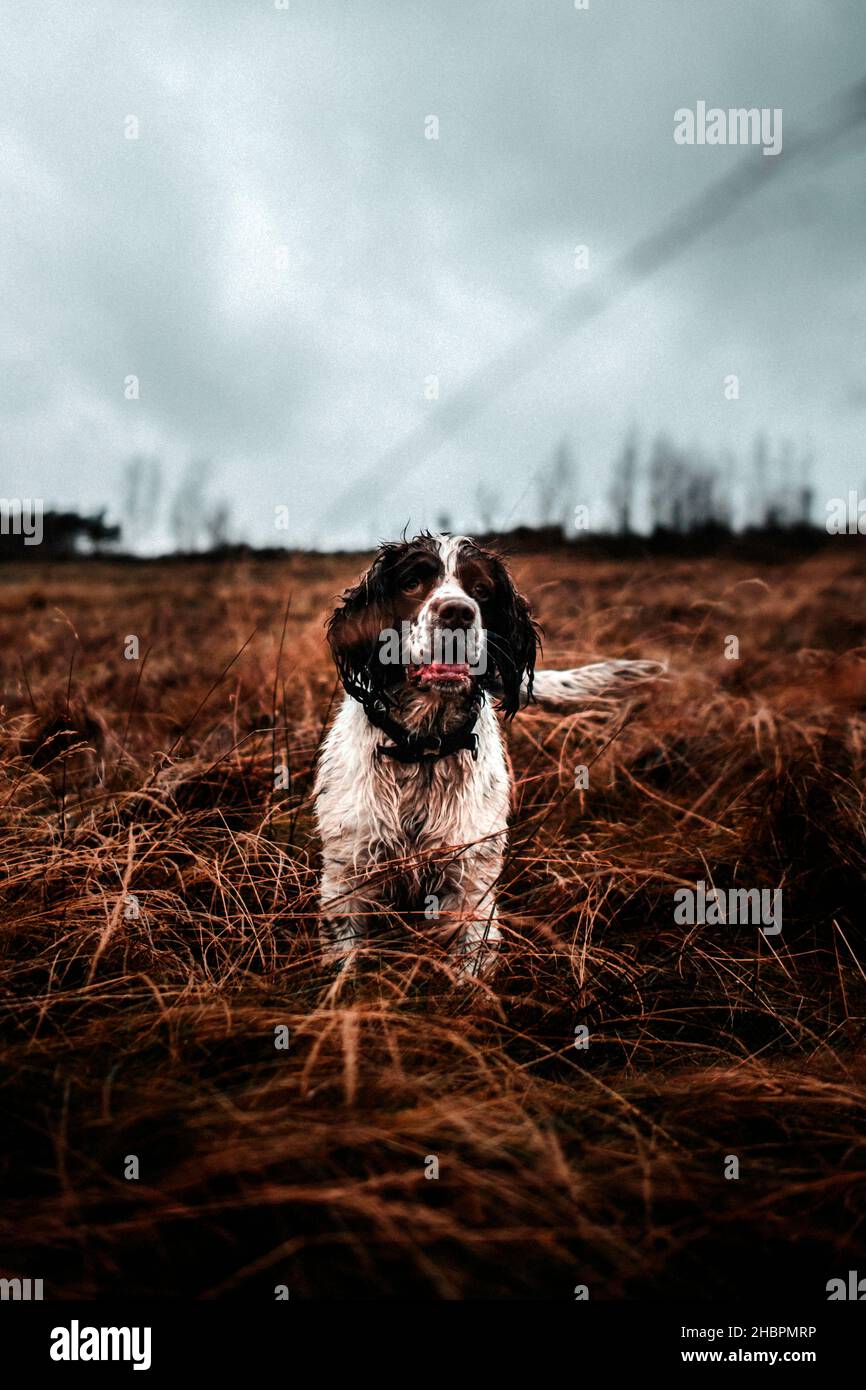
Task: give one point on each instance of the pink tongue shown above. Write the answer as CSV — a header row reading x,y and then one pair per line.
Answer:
x,y
441,668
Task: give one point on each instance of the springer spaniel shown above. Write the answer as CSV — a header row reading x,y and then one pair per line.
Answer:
x,y
413,787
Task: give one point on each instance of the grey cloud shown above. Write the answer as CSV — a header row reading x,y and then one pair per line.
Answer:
x,y
303,129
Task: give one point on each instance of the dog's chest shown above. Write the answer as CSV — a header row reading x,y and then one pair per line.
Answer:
x,y
378,808
432,801
448,802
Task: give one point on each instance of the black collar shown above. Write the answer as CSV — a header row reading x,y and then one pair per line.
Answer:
x,y
419,748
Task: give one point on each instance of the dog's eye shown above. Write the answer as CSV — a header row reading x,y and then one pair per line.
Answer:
x,y
481,592
413,583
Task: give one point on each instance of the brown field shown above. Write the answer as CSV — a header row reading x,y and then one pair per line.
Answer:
x,y
153,1034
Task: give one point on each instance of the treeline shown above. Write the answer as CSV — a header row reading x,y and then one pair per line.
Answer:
x,y
657,498
33,534
663,489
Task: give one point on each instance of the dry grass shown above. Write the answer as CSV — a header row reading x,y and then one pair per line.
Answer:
x,y
154,1035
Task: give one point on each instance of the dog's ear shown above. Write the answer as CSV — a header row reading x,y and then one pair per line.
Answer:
x,y
354,630
513,640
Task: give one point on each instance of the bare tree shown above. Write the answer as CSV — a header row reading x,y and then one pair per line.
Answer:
x,y
141,490
216,523
760,501
555,487
187,517
665,481
806,492
623,484
487,506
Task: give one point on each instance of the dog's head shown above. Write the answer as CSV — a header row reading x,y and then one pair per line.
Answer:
x,y
438,616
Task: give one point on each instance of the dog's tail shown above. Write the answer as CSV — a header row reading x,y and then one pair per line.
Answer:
x,y
597,684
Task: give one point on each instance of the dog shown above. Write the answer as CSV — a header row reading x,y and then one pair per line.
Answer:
x,y
413,786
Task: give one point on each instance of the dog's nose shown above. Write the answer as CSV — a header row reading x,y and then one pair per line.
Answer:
x,y
455,613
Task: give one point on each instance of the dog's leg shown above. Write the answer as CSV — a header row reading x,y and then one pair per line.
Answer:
x,y
344,914
476,946
468,916
340,938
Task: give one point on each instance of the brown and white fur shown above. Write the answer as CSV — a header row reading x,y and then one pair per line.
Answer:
x,y
429,836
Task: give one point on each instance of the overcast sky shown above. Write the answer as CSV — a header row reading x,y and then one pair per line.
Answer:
x,y
283,258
